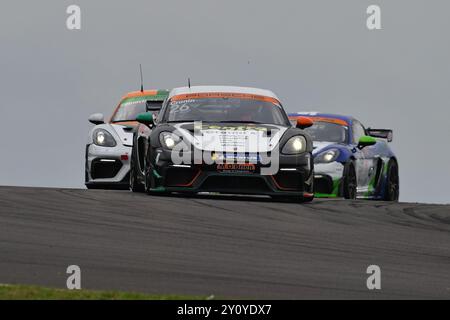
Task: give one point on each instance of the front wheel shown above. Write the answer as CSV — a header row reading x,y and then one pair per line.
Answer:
x,y
135,186
349,181
392,190
149,183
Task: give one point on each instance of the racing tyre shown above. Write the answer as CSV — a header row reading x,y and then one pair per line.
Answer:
x,y
349,182
135,186
149,183
392,190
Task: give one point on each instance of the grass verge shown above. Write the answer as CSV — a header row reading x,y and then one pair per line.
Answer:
x,y
25,292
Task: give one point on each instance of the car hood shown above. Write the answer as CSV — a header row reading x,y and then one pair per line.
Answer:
x,y
124,132
319,146
232,137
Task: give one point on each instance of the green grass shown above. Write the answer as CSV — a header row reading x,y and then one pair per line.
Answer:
x,y
24,292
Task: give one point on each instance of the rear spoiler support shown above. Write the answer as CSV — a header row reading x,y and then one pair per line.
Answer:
x,y
381,133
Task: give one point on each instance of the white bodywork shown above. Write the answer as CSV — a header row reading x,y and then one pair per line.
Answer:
x,y
333,169
124,143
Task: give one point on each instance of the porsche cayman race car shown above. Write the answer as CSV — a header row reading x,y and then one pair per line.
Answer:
x,y
108,149
231,140
351,161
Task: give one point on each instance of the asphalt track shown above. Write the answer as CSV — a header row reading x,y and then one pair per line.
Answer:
x,y
233,247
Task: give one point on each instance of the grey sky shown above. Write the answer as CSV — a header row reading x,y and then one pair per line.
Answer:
x,y
316,55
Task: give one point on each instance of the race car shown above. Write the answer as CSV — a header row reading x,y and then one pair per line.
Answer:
x,y
223,139
351,161
108,149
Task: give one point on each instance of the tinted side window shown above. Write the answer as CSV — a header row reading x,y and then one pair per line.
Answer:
x,y
163,110
358,131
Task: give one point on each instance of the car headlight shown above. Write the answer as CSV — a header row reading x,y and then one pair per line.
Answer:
x,y
103,138
327,156
169,140
294,145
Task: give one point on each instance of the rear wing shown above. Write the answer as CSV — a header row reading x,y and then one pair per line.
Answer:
x,y
381,133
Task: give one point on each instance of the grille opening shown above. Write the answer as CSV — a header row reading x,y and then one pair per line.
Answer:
x,y
291,180
105,169
323,184
235,184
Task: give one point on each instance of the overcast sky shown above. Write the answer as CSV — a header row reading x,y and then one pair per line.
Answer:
x,y
315,55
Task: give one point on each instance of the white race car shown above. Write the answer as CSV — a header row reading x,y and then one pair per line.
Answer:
x,y
109,145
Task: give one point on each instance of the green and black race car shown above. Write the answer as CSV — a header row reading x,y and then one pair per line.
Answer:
x,y
231,140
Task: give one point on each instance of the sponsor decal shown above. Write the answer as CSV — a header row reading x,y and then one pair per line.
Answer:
x,y
236,167
141,99
178,102
204,95
236,157
230,140
224,129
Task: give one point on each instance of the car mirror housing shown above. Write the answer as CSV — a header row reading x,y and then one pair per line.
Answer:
x,y
96,118
366,141
304,122
146,118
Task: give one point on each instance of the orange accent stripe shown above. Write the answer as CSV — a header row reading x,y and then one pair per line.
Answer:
x,y
224,95
140,94
322,119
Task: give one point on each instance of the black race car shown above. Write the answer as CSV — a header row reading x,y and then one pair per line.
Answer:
x,y
231,140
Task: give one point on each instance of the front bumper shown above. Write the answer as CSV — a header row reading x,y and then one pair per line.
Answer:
x,y
293,178
327,179
108,166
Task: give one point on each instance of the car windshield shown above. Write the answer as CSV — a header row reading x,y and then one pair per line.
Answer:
x,y
226,109
327,131
131,107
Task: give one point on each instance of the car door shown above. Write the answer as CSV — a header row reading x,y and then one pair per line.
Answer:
x,y
365,163
143,134
142,145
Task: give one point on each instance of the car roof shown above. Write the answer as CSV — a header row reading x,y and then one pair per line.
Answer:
x,y
345,118
154,92
222,89
158,94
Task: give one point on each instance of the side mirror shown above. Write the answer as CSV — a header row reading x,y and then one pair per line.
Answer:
x,y
366,141
145,118
96,118
304,122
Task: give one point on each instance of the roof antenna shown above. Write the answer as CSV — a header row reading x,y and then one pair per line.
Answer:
x,y
189,83
142,78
